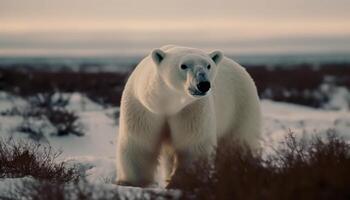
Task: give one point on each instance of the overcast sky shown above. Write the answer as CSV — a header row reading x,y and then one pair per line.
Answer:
x,y
127,26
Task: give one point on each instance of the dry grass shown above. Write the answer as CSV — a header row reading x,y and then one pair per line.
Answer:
x,y
65,122
54,180
23,158
52,106
299,169
47,109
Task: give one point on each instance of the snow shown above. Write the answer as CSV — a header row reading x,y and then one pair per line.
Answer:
x,y
6,184
94,152
99,138
339,97
97,169
281,118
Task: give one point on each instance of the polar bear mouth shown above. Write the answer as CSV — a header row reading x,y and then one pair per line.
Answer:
x,y
196,93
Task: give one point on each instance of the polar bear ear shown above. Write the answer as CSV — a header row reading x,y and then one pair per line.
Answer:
x,y
158,56
216,56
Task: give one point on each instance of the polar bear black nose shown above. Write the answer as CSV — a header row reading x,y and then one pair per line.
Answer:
x,y
203,86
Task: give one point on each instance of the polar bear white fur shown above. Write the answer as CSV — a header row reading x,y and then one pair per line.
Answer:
x,y
180,103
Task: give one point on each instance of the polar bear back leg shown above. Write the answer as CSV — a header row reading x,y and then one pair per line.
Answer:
x,y
246,131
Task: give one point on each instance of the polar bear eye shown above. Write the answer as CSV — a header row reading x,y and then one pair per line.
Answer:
x,y
209,66
184,66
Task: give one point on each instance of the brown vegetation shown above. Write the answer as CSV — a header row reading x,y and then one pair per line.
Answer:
x,y
102,87
46,109
299,169
296,84
23,158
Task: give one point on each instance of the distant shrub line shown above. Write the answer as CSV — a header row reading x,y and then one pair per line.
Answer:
x,y
298,84
104,88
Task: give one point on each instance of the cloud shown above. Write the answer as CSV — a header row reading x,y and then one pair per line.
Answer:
x,y
123,24
160,9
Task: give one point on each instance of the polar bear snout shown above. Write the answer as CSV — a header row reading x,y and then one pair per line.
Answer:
x,y
200,84
203,86
201,89
203,82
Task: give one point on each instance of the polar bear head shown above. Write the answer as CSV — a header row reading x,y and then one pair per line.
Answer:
x,y
187,70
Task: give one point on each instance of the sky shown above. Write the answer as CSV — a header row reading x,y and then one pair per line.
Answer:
x,y
110,27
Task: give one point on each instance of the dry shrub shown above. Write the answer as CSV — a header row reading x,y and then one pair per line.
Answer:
x,y
65,122
102,87
24,111
52,180
298,169
45,109
52,105
10,112
48,100
277,83
23,158
34,130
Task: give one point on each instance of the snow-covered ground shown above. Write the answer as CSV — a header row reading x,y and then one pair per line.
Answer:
x,y
95,151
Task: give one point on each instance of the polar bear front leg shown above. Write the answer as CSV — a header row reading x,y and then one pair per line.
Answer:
x,y
193,136
189,156
137,147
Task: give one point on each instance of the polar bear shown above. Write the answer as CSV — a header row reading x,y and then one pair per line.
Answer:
x,y
183,101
